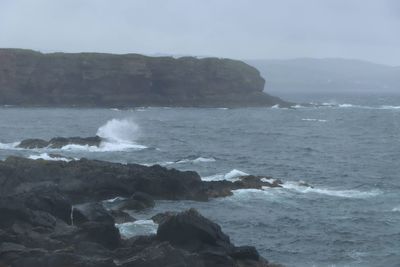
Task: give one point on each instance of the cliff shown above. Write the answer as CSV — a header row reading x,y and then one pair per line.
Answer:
x,y
92,79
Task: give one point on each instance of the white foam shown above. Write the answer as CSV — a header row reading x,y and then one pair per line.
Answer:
x,y
389,107
10,146
232,176
139,227
46,156
275,106
117,135
346,106
299,188
114,199
318,120
298,106
196,160
396,209
266,180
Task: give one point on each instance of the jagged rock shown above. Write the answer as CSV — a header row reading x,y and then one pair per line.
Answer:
x,y
138,201
161,217
191,230
93,79
105,234
85,180
91,212
59,142
33,143
49,200
121,216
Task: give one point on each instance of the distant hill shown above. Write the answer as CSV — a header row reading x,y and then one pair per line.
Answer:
x,y
107,80
327,75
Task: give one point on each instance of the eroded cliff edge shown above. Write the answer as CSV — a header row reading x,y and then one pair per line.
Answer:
x,y
32,78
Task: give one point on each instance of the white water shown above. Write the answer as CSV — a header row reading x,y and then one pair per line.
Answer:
x,y
347,105
232,176
117,135
299,188
46,156
318,120
139,227
396,209
10,146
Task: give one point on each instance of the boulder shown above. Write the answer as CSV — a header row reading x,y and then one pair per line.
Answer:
x,y
161,217
138,201
192,231
91,212
33,143
59,142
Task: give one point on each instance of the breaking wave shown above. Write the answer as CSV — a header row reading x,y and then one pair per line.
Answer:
x,y
302,188
317,120
233,175
298,187
10,146
46,156
139,227
346,105
184,161
117,135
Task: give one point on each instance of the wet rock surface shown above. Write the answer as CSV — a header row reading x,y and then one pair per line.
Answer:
x,y
54,214
59,142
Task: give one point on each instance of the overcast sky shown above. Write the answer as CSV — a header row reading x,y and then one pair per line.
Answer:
x,y
242,29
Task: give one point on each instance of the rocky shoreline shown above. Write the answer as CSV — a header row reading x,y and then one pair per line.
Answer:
x,y
53,214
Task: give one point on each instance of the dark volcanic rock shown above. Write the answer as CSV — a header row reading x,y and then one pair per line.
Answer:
x,y
92,79
35,238
37,227
59,142
85,180
191,230
90,212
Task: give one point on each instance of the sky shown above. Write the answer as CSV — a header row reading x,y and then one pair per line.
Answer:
x,y
240,29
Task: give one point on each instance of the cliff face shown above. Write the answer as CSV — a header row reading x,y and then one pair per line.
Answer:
x,y
93,79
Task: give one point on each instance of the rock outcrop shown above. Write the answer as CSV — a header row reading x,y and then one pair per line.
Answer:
x,y
53,215
59,142
86,180
103,80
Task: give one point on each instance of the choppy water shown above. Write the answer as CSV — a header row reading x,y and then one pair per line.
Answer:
x,y
348,150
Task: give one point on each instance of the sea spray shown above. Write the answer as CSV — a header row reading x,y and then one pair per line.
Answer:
x,y
119,135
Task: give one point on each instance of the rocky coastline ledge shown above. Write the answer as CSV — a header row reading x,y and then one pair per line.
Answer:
x,y
30,78
52,214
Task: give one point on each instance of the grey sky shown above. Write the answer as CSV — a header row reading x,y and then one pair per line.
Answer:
x,y
246,29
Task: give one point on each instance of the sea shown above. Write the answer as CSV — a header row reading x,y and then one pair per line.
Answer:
x,y
347,148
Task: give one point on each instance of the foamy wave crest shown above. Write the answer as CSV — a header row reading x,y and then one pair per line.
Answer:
x,y
317,120
233,175
183,161
46,156
139,227
389,107
396,209
299,187
117,135
9,146
196,160
345,105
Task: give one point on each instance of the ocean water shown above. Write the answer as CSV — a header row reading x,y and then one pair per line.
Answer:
x,y
348,150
